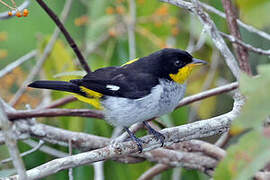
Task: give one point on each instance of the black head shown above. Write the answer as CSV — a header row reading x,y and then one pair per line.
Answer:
x,y
169,61
174,59
166,63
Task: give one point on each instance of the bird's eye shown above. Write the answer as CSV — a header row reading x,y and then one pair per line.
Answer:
x,y
177,63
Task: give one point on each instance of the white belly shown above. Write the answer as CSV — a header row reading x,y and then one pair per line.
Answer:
x,y
125,112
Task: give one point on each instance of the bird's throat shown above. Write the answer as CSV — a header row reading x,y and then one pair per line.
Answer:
x,y
182,74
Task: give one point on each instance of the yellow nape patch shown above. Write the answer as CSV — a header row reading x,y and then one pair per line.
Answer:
x,y
131,61
182,74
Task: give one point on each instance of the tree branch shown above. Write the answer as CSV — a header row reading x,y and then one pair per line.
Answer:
x,y
17,63
42,59
211,28
205,128
11,143
247,46
241,51
68,37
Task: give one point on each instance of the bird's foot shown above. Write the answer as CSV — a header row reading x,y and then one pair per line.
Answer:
x,y
157,135
138,141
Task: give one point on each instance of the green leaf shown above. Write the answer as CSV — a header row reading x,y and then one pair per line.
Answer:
x,y
245,158
256,90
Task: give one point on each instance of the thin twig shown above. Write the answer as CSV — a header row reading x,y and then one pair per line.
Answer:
x,y
241,51
91,47
11,143
223,140
46,149
25,114
248,46
4,15
207,83
247,27
208,93
60,102
131,29
17,63
37,147
68,37
42,59
154,171
70,173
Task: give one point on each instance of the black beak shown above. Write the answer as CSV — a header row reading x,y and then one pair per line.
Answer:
x,y
198,61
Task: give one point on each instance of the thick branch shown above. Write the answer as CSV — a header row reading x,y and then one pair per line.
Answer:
x,y
205,128
241,51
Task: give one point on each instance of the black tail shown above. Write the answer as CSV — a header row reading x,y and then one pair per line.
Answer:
x,y
57,85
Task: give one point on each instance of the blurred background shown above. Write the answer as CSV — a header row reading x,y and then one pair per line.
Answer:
x,y
109,33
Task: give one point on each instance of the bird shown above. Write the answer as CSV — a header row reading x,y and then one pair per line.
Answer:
x,y
139,90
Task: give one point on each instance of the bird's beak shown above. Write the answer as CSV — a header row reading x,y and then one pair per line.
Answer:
x,y
198,62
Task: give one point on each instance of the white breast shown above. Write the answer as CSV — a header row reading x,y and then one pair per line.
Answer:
x,y
125,112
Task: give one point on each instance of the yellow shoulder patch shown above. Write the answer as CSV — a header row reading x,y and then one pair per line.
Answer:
x,y
91,93
92,97
131,61
182,74
93,101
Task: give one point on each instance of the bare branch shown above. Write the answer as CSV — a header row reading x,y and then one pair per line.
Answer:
x,y
247,27
68,37
211,28
24,5
70,171
131,29
60,102
17,63
42,59
24,114
45,149
241,51
208,93
154,171
11,143
248,46
217,39
41,142
198,129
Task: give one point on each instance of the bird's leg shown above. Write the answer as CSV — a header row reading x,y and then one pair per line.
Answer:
x,y
157,134
135,139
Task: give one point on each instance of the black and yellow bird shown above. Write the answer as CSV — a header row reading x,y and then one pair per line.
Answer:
x,y
139,90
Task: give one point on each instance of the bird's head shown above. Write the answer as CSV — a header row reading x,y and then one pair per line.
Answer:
x,y
175,64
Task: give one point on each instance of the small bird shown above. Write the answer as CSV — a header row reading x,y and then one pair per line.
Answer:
x,y
137,91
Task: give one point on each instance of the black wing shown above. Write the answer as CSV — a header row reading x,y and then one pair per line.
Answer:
x,y
119,82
